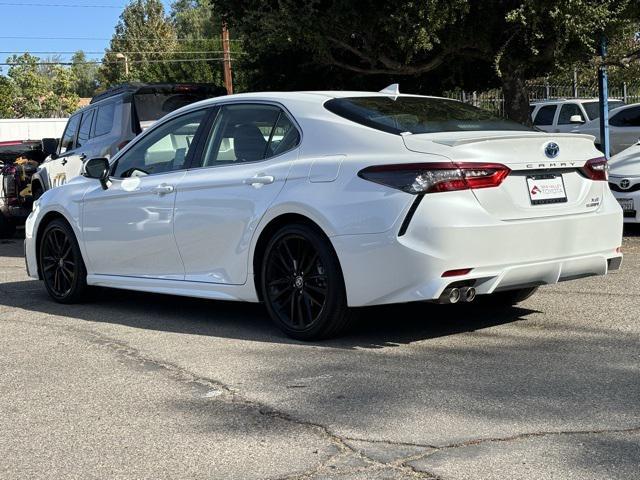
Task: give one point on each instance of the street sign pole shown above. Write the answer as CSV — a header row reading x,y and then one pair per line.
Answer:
x,y
603,91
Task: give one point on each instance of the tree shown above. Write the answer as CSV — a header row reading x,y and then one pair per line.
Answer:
x,y
37,89
146,37
429,44
85,73
198,26
7,98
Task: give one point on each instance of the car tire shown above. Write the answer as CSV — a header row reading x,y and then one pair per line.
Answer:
x,y
7,228
302,284
61,264
36,191
511,297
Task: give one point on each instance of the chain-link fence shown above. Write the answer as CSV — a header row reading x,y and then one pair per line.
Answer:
x,y
493,100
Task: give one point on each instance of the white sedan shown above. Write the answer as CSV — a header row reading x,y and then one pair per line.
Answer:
x,y
624,127
317,202
624,181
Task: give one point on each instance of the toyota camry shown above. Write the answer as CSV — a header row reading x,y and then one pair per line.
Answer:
x,y
318,202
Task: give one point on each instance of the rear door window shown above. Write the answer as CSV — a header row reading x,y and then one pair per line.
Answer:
x,y
69,137
85,128
104,119
545,115
249,133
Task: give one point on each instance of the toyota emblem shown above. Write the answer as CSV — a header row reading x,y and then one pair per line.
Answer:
x,y
625,183
551,150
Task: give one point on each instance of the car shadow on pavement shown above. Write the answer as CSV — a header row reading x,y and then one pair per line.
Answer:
x,y
376,327
632,230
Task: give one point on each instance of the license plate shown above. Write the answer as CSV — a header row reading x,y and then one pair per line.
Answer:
x,y
545,189
626,204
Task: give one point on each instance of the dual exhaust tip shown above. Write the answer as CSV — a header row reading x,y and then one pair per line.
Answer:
x,y
455,295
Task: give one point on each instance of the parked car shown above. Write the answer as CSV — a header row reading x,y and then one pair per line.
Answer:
x,y
317,202
624,128
566,115
18,162
624,180
112,120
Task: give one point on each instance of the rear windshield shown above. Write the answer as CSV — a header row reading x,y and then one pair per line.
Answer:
x,y
153,106
418,115
593,108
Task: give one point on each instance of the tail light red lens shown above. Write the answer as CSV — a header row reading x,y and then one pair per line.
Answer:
x,y
417,178
456,273
596,169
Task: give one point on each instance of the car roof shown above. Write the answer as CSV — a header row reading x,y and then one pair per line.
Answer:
x,y
567,100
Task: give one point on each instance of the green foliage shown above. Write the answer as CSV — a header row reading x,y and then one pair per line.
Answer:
x,y
427,45
143,35
85,73
33,90
191,31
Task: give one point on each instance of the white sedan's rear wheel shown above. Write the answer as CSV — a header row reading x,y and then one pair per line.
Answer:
x,y
302,284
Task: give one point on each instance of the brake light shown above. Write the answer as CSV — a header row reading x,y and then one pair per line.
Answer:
x,y
417,178
596,169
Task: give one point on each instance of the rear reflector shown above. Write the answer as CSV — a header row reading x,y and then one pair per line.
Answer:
x,y
596,169
417,178
457,273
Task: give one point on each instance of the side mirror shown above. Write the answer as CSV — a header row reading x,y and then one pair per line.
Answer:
x,y
97,168
576,119
50,147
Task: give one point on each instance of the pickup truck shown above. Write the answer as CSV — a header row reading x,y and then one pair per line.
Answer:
x,y
19,160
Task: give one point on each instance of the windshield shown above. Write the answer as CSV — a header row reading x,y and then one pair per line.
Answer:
x,y
418,115
593,108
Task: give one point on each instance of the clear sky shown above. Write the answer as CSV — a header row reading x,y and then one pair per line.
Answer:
x,y
46,18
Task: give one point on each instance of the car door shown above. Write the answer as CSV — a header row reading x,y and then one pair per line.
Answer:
x,y
54,168
624,129
72,161
128,228
240,170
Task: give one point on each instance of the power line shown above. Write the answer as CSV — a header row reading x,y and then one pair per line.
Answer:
x,y
105,62
57,5
114,52
116,39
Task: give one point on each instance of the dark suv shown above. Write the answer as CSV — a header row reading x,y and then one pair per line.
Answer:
x,y
108,123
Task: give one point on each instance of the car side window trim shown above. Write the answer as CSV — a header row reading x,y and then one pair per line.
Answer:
x,y
209,111
194,164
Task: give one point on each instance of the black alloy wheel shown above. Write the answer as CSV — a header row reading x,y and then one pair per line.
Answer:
x,y
302,284
61,264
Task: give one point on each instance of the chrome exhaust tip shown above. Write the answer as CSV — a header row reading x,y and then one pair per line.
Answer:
x,y
468,294
451,295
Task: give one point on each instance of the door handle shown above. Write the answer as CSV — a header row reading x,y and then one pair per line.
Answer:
x,y
162,189
259,180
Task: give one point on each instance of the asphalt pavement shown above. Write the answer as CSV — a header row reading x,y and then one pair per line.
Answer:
x,y
141,386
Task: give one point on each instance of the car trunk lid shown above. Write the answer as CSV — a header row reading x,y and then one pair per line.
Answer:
x,y
534,187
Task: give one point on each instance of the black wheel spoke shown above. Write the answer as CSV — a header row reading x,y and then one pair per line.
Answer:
x,y
295,282
58,262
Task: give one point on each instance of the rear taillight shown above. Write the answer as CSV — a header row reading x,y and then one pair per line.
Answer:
x,y
419,178
596,169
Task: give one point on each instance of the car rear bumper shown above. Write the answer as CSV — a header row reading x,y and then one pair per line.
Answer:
x,y
387,268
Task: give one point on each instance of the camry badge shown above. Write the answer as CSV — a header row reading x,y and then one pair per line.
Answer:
x,y
625,183
551,150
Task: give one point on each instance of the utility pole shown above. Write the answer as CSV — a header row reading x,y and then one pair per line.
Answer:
x,y
226,49
126,63
603,91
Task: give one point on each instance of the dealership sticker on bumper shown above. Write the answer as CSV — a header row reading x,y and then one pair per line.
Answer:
x,y
544,189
